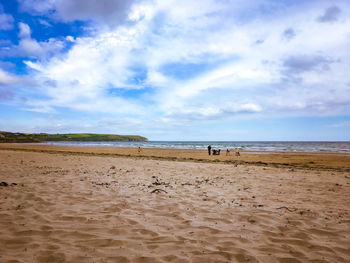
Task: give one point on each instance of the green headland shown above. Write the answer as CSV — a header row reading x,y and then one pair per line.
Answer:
x,y
16,137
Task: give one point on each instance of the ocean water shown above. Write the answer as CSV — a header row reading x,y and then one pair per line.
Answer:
x,y
343,147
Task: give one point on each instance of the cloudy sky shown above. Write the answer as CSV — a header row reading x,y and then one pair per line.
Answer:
x,y
177,69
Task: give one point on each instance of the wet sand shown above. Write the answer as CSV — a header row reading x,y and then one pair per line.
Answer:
x,y
71,204
319,161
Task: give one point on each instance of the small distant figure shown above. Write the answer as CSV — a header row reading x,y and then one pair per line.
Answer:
x,y
209,150
227,152
237,152
216,152
139,150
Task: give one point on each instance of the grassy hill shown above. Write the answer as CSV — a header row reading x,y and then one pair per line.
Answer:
x,y
45,137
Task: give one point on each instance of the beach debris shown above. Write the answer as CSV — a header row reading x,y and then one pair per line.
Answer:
x,y
288,209
112,167
157,190
6,184
101,184
20,206
111,171
158,182
202,181
251,220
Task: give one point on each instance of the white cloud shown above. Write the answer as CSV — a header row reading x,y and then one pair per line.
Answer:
x,y
40,109
31,48
6,22
340,124
107,12
9,86
24,30
44,23
7,78
211,112
244,65
70,38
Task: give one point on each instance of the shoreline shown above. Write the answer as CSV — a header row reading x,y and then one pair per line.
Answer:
x,y
183,145
298,160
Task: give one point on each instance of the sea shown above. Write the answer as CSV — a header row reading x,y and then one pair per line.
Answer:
x,y
279,146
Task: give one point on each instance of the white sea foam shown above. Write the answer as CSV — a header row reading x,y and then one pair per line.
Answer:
x,y
343,147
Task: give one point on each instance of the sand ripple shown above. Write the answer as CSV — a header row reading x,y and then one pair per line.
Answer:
x,y
102,209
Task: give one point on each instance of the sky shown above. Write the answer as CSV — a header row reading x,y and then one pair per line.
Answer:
x,y
177,69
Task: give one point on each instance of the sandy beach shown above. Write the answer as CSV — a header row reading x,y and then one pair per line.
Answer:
x,y
81,204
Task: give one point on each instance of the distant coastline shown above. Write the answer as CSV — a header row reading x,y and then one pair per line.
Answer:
x,y
16,137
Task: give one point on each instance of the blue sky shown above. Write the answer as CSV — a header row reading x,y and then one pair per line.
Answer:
x,y
177,70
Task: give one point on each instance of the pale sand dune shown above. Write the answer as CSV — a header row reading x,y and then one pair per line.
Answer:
x,y
72,208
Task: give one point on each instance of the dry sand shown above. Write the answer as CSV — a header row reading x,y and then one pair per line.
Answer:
x,y
89,205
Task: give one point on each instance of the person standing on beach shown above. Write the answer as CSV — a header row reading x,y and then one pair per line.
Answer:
x,y
237,152
209,149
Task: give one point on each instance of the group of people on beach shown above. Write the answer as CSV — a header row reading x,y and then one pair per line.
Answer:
x,y
210,151
217,152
